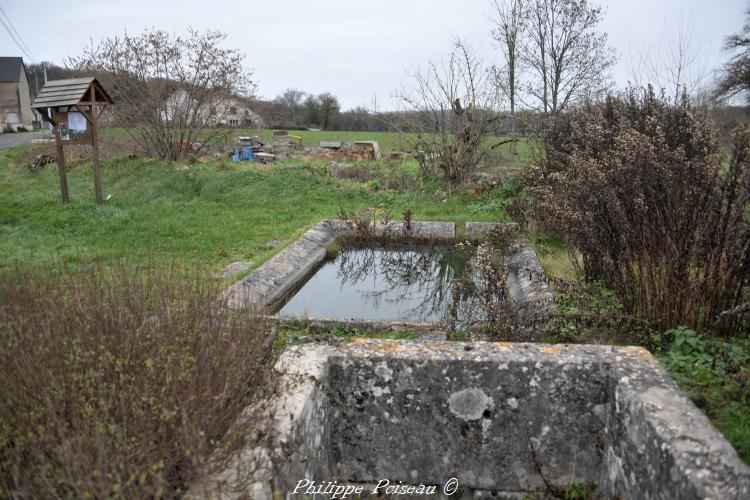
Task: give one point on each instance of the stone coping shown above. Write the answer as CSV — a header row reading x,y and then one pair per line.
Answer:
x,y
636,434
273,280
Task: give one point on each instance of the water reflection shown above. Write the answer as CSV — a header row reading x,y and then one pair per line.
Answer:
x,y
395,283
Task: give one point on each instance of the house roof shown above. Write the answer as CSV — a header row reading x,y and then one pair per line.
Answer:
x,y
10,69
67,92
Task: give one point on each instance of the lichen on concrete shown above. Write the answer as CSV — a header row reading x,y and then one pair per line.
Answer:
x,y
502,418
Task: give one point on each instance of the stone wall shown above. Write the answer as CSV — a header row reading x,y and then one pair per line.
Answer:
x,y
502,418
263,287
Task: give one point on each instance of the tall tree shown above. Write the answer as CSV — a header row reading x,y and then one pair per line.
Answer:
x,y
507,34
329,110
735,77
676,64
312,111
291,102
568,58
54,72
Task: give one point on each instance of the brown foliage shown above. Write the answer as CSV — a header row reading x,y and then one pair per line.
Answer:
x,y
638,187
113,384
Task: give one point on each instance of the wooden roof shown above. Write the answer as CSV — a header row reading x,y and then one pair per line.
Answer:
x,y
68,93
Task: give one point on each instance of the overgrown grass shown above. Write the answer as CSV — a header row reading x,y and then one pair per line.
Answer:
x,y
119,384
714,373
716,376
212,213
555,257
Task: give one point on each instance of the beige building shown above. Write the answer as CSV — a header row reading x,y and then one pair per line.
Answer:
x,y
236,113
15,100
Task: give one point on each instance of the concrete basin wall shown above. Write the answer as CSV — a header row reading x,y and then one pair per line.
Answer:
x,y
266,285
501,418
470,417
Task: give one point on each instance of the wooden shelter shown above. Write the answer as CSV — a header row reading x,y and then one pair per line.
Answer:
x,y
76,105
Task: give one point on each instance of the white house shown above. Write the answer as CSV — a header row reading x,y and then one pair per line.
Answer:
x,y
233,112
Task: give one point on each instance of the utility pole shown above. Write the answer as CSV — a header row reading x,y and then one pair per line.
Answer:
x,y
49,122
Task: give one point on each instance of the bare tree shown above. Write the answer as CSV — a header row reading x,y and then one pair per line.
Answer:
x,y
567,58
675,64
170,90
735,77
291,101
507,33
452,109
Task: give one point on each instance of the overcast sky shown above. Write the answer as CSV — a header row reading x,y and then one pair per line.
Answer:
x,y
356,49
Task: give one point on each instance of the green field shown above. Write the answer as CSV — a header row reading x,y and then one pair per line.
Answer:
x,y
388,141
213,213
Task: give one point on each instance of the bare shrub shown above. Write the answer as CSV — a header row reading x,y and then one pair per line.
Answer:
x,y
452,109
118,383
480,299
637,186
170,91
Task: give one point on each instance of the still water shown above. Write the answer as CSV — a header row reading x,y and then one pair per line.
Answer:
x,y
396,283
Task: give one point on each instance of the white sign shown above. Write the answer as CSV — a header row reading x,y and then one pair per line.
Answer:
x,y
76,122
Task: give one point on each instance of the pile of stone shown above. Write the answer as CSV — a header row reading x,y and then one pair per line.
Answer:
x,y
335,150
282,144
366,151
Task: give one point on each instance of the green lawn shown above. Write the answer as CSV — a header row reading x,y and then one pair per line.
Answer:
x,y
213,213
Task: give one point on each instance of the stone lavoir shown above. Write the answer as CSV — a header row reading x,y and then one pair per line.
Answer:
x,y
500,420
503,419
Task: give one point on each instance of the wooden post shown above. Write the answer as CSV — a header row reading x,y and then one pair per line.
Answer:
x,y
95,149
61,165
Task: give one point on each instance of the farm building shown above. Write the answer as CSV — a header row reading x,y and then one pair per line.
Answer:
x,y
232,112
236,113
15,101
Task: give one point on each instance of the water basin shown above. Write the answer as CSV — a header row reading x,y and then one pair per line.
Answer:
x,y
398,283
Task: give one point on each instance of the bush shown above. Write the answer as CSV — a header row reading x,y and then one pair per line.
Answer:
x,y
118,383
451,110
639,187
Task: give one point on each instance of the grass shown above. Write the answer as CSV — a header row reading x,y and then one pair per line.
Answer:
x,y
714,373
554,257
220,212
388,141
212,214
716,376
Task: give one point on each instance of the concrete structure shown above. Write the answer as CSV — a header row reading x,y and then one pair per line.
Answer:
x,y
502,419
263,287
15,99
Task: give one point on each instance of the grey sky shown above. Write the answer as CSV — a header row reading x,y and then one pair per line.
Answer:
x,y
354,49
